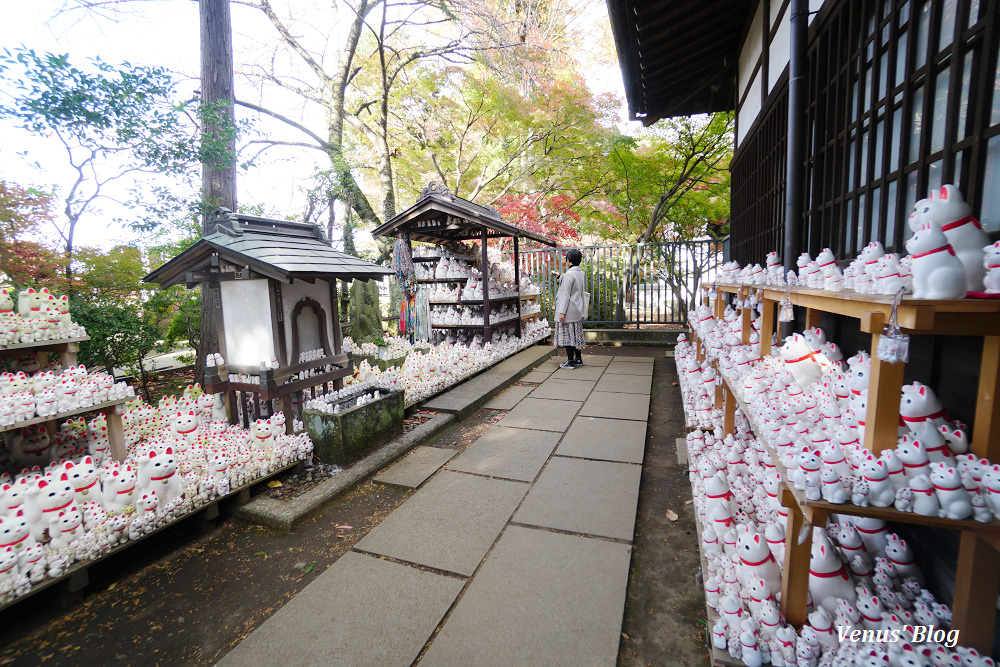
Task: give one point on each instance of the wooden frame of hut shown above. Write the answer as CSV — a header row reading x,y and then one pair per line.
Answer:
x,y
442,218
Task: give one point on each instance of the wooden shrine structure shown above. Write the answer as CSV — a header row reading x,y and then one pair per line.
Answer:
x,y
274,287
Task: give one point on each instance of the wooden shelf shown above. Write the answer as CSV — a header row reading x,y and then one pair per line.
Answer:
x,y
509,320
97,407
807,507
442,280
977,577
438,259
471,302
962,317
76,574
46,345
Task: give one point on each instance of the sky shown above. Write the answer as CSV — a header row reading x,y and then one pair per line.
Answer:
x,y
165,33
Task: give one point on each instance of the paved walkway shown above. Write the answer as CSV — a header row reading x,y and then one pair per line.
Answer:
x,y
514,552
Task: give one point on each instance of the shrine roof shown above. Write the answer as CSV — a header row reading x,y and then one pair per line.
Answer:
x,y
439,216
270,248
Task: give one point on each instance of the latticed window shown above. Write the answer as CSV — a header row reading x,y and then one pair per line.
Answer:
x,y
904,95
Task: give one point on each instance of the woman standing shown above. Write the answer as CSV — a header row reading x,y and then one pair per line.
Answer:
x,y
570,311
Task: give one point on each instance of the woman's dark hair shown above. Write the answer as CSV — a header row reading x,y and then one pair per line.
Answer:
x,y
574,257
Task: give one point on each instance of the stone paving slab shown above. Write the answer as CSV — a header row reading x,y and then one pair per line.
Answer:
x,y
629,368
536,376
362,611
605,439
626,384
591,497
540,599
582,373
509,398
416,467
682,451
564,390
633,360
615,405
596,359
509,453
542,414
449,524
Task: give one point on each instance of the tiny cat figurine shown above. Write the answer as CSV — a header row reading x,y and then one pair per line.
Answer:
x,y
991,265
952,496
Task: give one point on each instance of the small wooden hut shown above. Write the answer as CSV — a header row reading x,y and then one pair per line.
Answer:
x,y
274,287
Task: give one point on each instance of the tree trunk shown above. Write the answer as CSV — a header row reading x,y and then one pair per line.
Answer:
x,y
334,100
218,182
385,160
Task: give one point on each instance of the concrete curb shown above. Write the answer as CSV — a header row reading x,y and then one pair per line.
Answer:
x,y
464,399
286,515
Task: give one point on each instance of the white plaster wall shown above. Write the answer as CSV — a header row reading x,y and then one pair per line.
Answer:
x,y
775,7
246,317
778,51
777,59
750,110
815,6
751,50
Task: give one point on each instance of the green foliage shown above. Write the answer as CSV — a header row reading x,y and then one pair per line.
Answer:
x,y
24,212
127,320
110,277
114,121
119,335
127,110
603,282
670,183
485,138
185,322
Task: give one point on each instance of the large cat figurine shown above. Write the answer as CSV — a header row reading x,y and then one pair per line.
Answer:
x,y
937,272
946,209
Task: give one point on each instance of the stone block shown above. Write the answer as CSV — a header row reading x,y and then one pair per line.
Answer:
x,y
342,438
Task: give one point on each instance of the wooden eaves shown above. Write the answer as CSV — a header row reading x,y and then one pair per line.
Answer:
x,y
439,216
678,58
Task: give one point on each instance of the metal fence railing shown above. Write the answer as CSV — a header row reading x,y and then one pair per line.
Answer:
x,y
630,285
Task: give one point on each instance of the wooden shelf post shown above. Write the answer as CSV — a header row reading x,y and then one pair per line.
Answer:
x,y
730,410
986,430
813,317
795,573
116,433
766,327
977,578
746,324
885,386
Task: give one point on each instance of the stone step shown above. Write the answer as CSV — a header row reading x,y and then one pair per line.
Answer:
x,y
474,393
666,337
